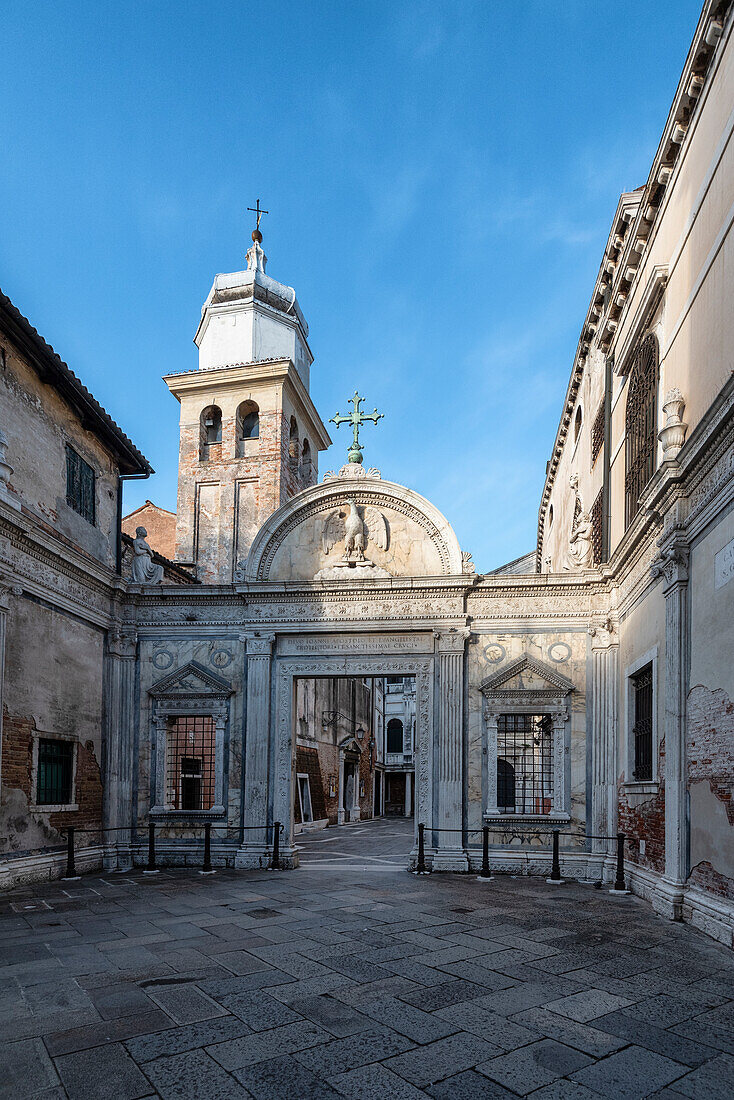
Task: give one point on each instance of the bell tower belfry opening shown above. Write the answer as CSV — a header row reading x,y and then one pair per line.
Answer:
x,y
249,432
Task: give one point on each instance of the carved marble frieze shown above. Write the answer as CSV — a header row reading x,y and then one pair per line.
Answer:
x,y
62,580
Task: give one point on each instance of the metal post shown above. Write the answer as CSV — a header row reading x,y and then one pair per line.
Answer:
x,y
275,862
151,869
555,875
421,865
485,871
619,883
70,864
207,868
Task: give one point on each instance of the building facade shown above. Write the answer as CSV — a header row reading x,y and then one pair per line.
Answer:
x,y
587,688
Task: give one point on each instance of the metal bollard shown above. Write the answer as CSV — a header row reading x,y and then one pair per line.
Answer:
x,y
485,871
555,875
275,861
70,864
556,868
207,868
619,883
151,869
421,865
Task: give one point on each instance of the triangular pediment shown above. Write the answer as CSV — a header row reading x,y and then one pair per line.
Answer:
x,y
349,744
191,679
526,674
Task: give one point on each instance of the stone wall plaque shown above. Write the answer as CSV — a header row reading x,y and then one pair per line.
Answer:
x,y
724,565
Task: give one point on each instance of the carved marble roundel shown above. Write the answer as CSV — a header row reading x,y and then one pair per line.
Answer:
x,y
385,530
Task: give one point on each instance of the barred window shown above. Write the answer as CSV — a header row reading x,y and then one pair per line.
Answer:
x,y
80,485
190,770
642,686
55,772
597,523
524,763
641,424
597,434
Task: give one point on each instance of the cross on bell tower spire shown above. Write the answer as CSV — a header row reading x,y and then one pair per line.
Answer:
x,y
356,419
256,209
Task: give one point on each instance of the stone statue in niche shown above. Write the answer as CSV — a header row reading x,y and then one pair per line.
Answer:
x,y
145,571
579,553
355,527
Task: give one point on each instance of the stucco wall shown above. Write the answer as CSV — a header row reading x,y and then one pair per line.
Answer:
x,y
53,686
38,425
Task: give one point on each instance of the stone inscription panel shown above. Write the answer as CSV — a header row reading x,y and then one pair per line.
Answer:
x,y
339,645
724,565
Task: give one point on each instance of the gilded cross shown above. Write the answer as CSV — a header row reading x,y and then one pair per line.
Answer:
x,y
356,419
256,210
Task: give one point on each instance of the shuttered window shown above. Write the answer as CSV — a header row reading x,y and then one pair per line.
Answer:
x,y
80,487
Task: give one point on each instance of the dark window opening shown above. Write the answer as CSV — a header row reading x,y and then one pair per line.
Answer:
x,y
55,772
210,433
642,687
524,763
641,425
248,425
577,424
394,735
80,485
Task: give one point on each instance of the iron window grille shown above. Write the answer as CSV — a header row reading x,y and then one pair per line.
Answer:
x,y
191,763
55,772
641,425
597,520
524,764
642,684
80,485
597,434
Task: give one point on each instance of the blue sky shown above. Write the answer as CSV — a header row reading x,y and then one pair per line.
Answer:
x,y
441,179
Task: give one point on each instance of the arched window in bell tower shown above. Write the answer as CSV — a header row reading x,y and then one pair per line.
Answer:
x,y
306,462
210,434
293,448
248,426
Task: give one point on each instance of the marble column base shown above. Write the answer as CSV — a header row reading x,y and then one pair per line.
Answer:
x,y
667,899
449,859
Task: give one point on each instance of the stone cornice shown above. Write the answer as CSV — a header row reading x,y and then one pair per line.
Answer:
x,y
268,372
637,218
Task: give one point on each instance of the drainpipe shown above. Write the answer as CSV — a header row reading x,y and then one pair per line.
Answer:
x,y
118,544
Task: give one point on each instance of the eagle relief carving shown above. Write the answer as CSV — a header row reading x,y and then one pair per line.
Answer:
x,y
353,528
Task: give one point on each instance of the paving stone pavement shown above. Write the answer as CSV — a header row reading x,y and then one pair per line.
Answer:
x,y
352,978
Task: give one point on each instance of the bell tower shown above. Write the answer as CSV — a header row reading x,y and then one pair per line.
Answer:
x,y
249,432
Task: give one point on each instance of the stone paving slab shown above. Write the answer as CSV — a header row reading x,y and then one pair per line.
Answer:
x,y
335,982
